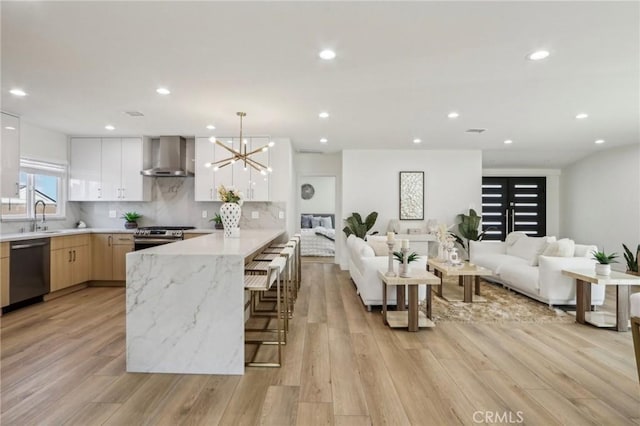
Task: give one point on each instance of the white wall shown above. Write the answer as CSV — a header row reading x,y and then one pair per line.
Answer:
x,y
453,184
601,200
552,190
324,196
37,143
283,188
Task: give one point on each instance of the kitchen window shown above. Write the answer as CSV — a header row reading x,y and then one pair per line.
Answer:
x,y
39,181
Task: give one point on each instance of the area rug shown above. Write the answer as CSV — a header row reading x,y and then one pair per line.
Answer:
x,y
501,305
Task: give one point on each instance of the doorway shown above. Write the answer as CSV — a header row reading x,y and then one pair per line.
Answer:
x,y
514,204
317,201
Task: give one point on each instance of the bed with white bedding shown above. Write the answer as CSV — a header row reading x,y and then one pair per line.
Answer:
x,y
317,235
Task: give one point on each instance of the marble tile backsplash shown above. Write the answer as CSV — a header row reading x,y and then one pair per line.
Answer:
x,y
173,204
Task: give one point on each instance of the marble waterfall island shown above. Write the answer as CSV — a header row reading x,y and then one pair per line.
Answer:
x,y
185,304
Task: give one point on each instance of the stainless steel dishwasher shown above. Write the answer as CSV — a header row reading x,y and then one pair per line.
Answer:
x,y
29,270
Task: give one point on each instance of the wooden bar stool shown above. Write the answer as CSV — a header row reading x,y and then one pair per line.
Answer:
x,y
262,268
266,256
258,284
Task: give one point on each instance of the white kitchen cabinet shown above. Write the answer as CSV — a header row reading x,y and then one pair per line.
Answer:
x,y
108,169
251,182
85,181
223,176
10,156
204,179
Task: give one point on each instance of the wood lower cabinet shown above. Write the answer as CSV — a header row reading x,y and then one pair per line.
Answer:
x,y
109,256
70,261
4,274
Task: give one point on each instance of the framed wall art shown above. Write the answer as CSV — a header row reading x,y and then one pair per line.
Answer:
x,y
411,195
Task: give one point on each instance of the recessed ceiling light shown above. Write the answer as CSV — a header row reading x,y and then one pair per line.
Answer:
x,y
323,140
109,127
323,114
538,55
416,140
163,91
211,127
327,54
582,116
508,141
9,127
18,92
453,115
600,141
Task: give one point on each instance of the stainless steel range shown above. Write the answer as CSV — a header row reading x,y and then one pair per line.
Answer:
x,y
151,236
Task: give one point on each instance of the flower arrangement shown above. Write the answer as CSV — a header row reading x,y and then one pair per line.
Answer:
x,y
445,238
230,195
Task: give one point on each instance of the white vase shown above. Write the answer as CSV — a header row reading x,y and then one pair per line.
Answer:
x,y
603,269
402,271
230,214
442,253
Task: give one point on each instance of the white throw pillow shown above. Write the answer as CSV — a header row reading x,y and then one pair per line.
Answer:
x,y
541,249
513,237
326,222
379,244
561,248
526,248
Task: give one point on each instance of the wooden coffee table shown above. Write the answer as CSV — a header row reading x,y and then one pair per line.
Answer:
x,y
412,319
467,271
584,278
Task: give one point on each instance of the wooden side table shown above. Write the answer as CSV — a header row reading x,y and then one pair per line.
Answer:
x,y
468,272
413,319
584,278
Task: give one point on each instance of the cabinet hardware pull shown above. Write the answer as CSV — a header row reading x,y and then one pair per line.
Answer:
x,y
74,255
122,192
17,188
69,256
109,240
99,192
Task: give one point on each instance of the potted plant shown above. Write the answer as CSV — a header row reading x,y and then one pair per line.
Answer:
x,y
632,262
357,227
603,267
131,219
217,219
399,256
468,229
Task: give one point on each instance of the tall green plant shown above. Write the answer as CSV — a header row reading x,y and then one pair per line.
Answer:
x,y
632,261
468,227
357,227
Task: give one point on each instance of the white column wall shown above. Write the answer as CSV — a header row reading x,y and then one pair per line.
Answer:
x,y
370,182
601,200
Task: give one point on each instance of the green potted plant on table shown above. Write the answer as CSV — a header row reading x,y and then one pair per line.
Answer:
x,y
131,219
632,261
603,267
357,227
468,229
217,219
399,256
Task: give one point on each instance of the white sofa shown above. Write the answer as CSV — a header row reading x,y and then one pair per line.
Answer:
x,y
363,268
519,265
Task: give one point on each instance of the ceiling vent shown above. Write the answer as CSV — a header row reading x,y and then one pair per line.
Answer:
x,y
134,113
478,131
310,151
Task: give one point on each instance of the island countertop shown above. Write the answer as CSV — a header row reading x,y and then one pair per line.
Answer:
x,y
216,244
185,307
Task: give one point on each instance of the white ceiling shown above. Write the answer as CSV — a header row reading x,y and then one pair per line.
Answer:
x,y
400,68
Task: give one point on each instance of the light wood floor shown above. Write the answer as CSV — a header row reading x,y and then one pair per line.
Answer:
x,y
62,362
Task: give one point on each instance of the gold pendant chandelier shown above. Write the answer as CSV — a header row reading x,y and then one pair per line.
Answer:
x,y
242,154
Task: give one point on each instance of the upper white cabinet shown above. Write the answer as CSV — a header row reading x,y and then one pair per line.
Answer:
x,y
251,182
10,156
108,169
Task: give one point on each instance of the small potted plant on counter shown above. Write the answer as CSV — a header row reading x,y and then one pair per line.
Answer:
x,y
603,267
218,221
131,219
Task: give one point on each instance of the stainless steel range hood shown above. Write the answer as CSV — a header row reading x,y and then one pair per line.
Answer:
x,y
169,158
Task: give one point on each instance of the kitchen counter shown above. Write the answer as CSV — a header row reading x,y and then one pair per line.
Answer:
x,y
19,236
185,304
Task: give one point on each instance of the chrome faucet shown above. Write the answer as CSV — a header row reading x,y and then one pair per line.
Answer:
x,y
35,226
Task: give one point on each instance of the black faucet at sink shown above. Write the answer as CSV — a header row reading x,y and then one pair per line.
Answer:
x,y
35,226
